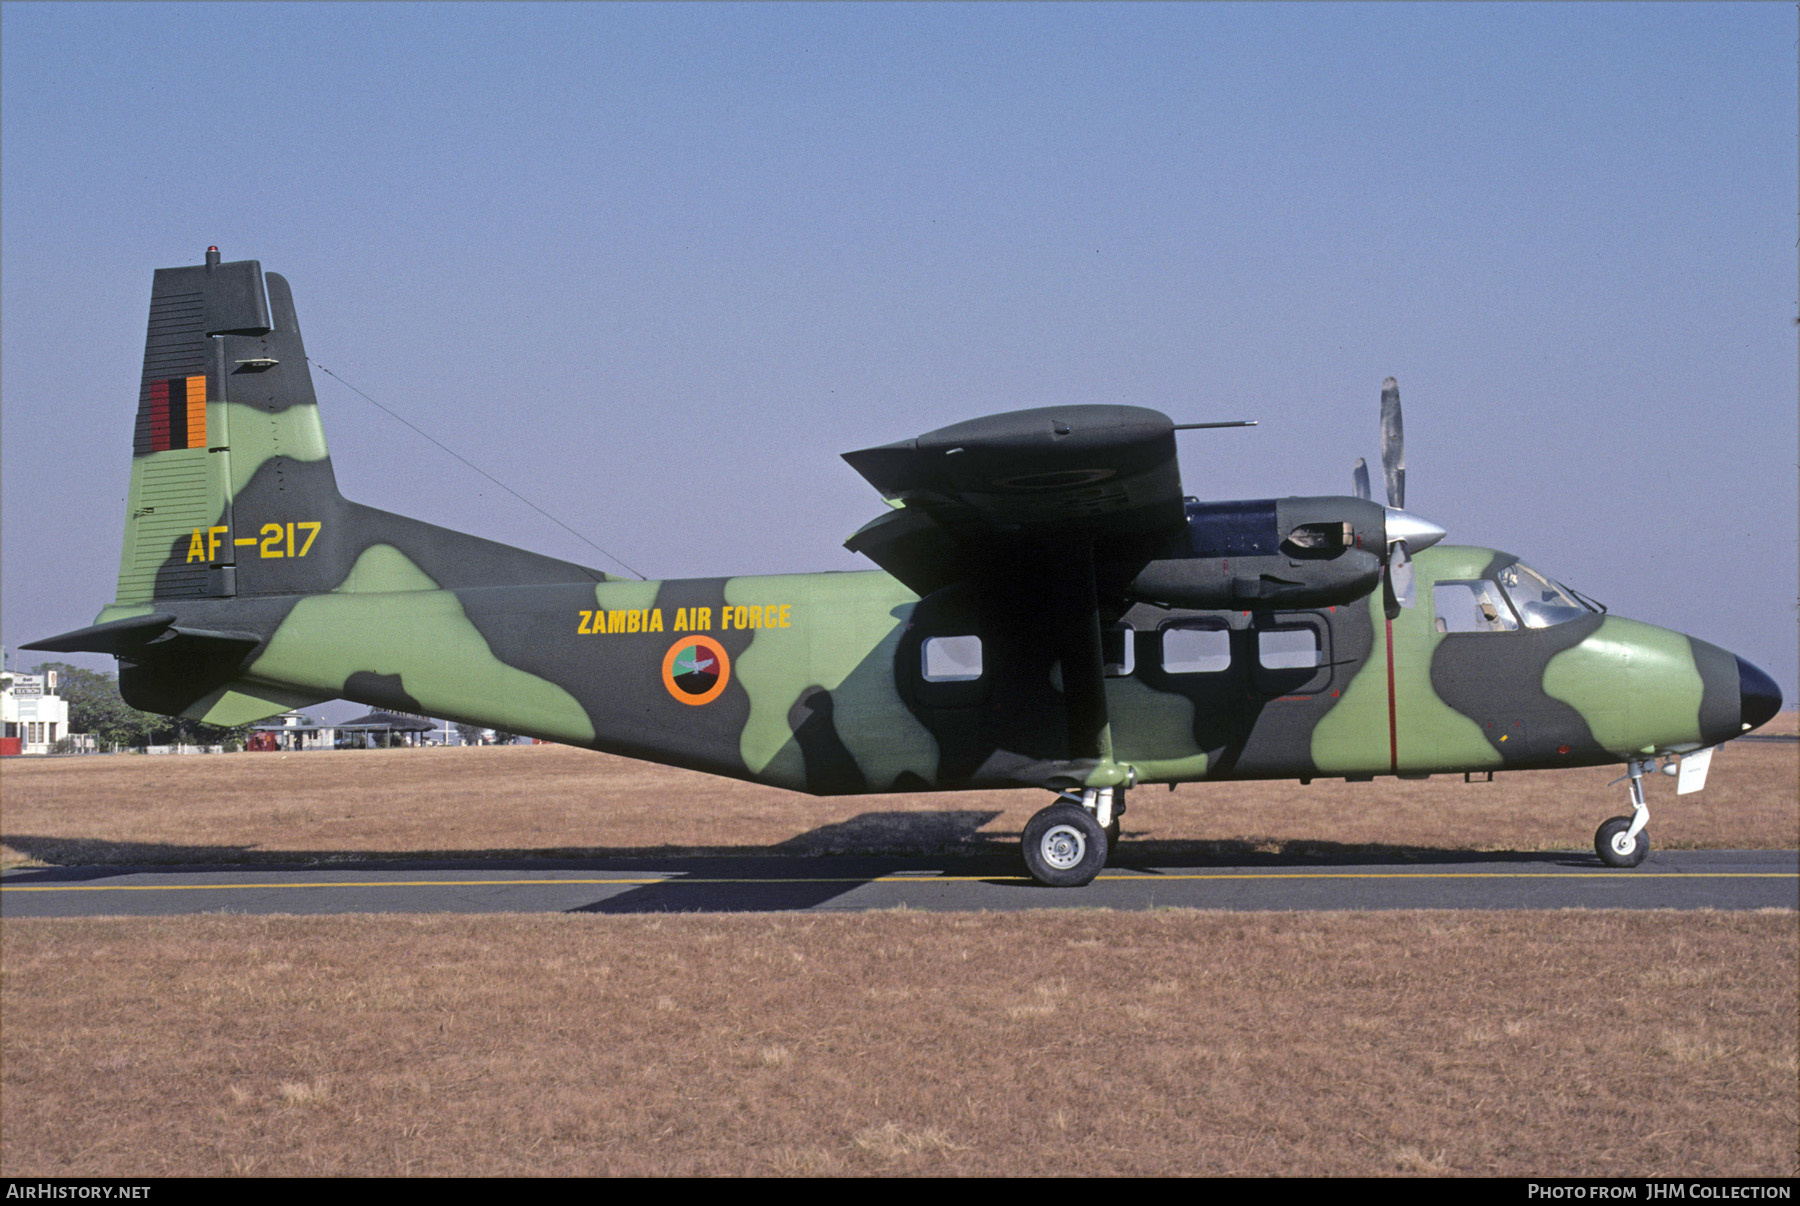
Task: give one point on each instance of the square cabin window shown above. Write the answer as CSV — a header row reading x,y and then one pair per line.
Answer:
x,y
1288,648
952,659
1195,650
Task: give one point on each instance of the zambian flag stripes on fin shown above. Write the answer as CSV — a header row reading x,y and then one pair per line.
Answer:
x,y
177,415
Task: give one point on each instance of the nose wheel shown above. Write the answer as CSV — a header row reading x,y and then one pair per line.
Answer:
x,y
1624,841
1618,846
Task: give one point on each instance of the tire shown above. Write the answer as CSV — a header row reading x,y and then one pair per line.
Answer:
x,y
1064,846
1612,847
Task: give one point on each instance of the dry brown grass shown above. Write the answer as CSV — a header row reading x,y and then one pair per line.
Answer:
x,y
899,1043
1580,1043
555,799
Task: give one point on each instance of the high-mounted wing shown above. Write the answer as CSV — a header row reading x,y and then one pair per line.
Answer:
x,y
1023,506
1095,475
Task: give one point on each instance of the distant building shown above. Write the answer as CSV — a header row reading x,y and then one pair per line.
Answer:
x,y
292,731
35,717
386,729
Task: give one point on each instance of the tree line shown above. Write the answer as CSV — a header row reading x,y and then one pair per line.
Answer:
x,y
96,707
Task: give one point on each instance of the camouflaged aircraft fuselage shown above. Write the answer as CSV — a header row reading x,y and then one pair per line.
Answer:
x,y
1050,612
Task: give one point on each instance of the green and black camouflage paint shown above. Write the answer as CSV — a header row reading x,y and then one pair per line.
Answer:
x,y
249,585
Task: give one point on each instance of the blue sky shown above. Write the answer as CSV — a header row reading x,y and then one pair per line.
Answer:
x,y
655,267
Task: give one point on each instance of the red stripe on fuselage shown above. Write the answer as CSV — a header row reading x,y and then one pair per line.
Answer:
x,y
1393,728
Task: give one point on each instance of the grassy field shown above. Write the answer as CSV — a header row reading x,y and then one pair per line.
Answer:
x,y
1053,1043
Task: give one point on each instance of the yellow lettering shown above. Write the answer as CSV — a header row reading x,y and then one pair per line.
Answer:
x,y
311,536
755,617
655,620
634,621
738,617
681,620
195,551
704,621
784,615
615,621
587,618
271,540
213,536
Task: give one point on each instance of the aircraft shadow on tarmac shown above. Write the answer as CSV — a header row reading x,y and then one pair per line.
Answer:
x,y
802,872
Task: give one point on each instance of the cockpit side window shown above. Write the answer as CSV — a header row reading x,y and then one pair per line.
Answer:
x,y
1471,606
1541,602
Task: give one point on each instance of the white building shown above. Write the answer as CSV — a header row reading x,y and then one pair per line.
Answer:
x,y
35,717
292,731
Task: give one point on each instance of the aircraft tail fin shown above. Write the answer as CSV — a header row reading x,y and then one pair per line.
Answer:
x,y
234,510
226,413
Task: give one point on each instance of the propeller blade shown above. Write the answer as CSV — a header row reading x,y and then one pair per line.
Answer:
x,y
1400,569
1359,477
1393,445
1397,580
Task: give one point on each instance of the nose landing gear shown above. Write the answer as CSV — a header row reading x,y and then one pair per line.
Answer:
x,y
1623,841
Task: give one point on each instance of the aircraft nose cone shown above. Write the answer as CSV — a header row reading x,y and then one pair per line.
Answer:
x,y
1759,697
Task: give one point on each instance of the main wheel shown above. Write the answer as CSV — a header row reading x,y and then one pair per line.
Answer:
x,y
1617,850
1064,846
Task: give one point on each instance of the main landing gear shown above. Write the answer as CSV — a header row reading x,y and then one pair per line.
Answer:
x,y
1623,841
1067,844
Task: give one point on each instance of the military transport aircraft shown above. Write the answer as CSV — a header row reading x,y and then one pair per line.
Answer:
x,y
1050,611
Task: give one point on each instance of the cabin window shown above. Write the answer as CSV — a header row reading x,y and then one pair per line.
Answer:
x,y
1471,607
1295,648
1194,649
1540,601
952,659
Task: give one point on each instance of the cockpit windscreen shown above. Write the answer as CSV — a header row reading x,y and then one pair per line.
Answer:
x,y
1540,602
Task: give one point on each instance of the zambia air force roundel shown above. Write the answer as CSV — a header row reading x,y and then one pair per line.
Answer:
x,y
696,669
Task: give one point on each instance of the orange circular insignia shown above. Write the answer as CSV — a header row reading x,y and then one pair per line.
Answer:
x,y
696,669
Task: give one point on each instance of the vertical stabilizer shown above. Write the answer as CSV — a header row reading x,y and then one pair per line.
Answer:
x,y
226,404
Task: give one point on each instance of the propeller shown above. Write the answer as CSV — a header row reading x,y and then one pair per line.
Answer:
x,y
1405,532
1393,445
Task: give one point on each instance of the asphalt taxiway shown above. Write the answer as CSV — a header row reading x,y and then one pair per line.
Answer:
x,y
1678,879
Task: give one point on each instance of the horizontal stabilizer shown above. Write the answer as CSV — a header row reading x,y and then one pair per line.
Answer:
x,y
140,634
119,636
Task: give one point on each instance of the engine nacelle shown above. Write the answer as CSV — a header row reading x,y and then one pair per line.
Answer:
x,y
1286,552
